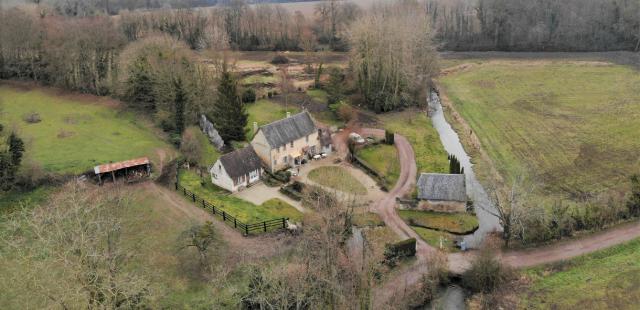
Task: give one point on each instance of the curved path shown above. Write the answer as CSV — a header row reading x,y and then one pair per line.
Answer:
x,y
459,262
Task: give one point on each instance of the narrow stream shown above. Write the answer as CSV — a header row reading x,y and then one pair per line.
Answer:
x,y
449,298
475,191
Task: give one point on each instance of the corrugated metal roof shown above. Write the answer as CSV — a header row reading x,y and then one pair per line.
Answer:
x,y
445,187
288,129
121,165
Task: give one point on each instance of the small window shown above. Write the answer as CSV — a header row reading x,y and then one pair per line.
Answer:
x,y
285,147
291,144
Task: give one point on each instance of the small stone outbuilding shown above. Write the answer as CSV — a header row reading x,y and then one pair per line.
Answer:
x,y
442,192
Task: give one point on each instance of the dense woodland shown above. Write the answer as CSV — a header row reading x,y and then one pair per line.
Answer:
x,y
79,45
537,25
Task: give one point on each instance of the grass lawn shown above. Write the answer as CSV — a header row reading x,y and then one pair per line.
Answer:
x,y
265,111
243,210
367,219
433,237
337,178
209,153
74,136
417,128
318,95
384,159
571,126
457,223
608,279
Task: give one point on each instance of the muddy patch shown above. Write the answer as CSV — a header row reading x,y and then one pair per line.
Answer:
x,y
63,134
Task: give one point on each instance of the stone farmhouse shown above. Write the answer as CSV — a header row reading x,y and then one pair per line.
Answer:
x,y
280,145
442,192
237,170
287,142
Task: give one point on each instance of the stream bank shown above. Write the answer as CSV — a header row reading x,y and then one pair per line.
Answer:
x,y
481,202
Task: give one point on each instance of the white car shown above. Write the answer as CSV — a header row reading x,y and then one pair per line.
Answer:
x,y
356,138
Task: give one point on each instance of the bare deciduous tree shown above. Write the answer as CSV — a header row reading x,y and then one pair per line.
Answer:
x,y
74,243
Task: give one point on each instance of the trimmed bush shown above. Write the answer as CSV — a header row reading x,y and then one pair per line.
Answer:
x,y
389,137
294,190
249,95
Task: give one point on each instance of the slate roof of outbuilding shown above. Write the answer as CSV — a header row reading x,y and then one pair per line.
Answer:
x,y
288,129
241,162
443,187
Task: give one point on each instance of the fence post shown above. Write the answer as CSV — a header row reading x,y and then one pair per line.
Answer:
x,y
204,206
246,229
283,223
184,191
235,225
224,216
213,209
176,185
193,196
265,226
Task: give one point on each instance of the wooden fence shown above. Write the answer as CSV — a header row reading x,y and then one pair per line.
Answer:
x,y
246,229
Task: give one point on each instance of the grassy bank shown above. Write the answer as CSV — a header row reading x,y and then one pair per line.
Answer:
x,y
73,135
457,223
571,126
607,279
417,128
243,210
383,159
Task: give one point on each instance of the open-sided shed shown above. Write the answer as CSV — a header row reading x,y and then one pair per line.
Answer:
x,y
129,169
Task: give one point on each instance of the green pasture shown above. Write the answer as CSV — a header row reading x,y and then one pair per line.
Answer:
x,y
73,135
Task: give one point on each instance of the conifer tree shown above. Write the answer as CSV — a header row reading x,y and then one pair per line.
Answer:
x,y
140,92
229,113
16,148
180,102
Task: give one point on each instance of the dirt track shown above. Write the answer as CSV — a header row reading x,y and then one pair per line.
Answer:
x,y
458,262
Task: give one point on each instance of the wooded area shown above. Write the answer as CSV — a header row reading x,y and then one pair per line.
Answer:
x,y
536,25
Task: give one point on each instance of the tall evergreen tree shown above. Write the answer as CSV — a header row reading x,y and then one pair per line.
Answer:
x,y
16,149
180,103
335,91
229,113
140,92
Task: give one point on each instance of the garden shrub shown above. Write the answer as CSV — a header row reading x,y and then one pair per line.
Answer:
x,y
249,95
389,137
279,60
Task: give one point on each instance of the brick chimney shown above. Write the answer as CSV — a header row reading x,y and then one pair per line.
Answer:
x,y
255,127
288,114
